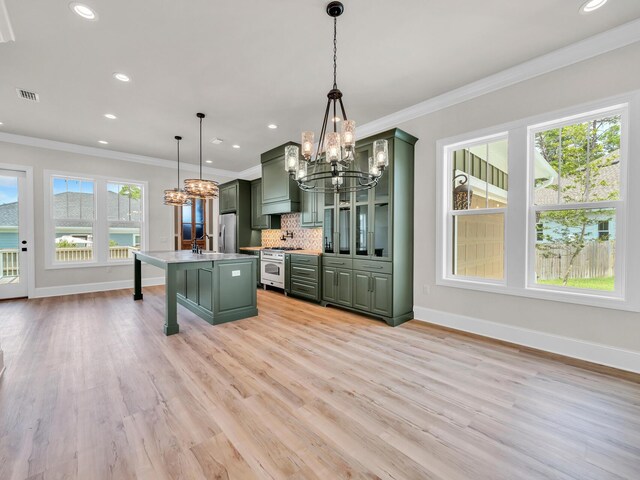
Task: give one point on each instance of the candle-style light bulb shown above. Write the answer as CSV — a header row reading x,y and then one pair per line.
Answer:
x,y
307,144
291,154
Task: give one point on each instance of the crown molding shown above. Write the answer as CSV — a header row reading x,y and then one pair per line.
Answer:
x,y
599,44
6,32
251,173
111,154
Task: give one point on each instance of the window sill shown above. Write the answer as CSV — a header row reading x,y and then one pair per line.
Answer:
x,y
601,300
113,263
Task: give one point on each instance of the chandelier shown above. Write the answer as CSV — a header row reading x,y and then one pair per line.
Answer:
x,y
176,197
197,187
333,168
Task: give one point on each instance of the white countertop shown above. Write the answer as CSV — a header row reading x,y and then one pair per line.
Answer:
x,y
186,256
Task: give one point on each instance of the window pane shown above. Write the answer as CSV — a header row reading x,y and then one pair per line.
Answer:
x,y
199,211
186,231
478,246
199,230
574,250
73,199
480,176
73,241
123,241
186,213
124,202
578,163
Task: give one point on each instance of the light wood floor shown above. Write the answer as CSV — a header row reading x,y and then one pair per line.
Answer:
x,y
93,390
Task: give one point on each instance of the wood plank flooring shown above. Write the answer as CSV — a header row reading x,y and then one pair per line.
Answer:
x,y
94,390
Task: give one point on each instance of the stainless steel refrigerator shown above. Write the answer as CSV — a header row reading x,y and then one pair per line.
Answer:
x,y
227,240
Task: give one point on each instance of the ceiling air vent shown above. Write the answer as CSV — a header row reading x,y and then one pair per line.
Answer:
x,y
27,95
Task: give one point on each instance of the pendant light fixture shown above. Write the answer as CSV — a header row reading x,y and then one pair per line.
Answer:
x,y
334,168
177,197
198,187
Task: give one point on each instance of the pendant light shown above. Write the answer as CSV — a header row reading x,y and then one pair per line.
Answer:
x,y
198,187
334,168
177,197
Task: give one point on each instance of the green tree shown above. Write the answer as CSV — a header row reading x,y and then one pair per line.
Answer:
x,y
581,154
130,191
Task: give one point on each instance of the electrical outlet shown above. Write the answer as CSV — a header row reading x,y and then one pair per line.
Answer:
x,y
426,289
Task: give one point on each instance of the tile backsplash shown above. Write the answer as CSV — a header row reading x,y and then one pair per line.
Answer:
x,y
307,238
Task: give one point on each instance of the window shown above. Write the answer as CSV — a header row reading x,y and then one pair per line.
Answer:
x,y
538,207
478,202
124,215
93,221
576,195
73,219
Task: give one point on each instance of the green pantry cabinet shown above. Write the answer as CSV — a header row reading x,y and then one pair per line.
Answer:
x,y
235,197
367,264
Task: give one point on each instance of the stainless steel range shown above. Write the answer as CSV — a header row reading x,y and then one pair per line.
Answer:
x,y
272,266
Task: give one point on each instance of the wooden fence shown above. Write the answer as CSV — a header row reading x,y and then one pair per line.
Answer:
x,y
596,260
10,259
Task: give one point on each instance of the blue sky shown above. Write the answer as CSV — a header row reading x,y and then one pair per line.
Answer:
x,y
8,190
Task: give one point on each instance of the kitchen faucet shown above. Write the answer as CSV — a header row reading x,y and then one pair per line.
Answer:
x,y
285,235
195,248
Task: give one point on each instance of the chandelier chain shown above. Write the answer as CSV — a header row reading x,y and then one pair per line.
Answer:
x,y
178,163
335,52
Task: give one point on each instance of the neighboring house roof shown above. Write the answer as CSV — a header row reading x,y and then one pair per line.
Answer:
x,y
72,205
9,214
607,181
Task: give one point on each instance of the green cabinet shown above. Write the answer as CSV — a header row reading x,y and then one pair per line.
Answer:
x,y
235,197
312,209
228,197
303,276
280,193
369,233
258,220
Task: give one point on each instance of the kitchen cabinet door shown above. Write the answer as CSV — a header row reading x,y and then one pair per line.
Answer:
x,y
329,284
345,288
362,290
382,294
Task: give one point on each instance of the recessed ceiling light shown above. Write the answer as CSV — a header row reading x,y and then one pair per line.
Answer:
x,y
216,141
209,161
592,5
84,11
272,126
103,142
235,146
110,116
122,77
1,123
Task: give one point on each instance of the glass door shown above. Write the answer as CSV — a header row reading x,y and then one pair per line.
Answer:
x,y
362,208
380,225
13,239
193,225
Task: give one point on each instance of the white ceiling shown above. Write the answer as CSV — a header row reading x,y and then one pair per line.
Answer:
x,y
250,63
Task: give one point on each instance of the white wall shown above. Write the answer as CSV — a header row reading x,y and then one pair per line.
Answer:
x,y
610,74
159,216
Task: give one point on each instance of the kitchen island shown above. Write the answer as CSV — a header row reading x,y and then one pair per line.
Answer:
x,y
218,287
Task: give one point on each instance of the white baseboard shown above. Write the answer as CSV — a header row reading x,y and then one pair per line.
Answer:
x,y
92,287
628,360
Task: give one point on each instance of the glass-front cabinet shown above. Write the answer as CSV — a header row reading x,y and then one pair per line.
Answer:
x,y
359,224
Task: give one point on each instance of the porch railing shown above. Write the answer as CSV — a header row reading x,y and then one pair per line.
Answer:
x,y
10,258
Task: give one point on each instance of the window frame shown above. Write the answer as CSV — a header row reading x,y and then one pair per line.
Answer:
x,y
451,213
520,228
101,221
618,205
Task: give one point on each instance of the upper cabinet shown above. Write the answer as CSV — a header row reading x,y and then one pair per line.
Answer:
x,y
280,193
258,220
311,207
228,197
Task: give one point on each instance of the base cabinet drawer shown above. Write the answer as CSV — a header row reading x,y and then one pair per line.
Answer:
x,y
306,290
373,266
301,259
302,272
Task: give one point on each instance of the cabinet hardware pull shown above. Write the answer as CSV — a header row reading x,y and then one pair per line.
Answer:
x,y
373,266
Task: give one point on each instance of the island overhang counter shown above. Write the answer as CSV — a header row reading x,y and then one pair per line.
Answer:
x,y
218,287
